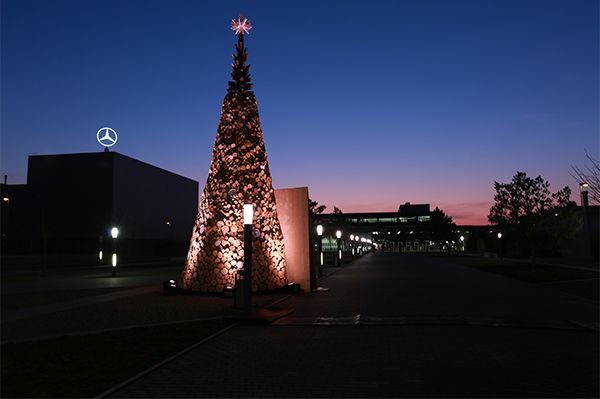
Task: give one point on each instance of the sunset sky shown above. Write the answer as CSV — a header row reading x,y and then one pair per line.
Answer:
x,y
368,103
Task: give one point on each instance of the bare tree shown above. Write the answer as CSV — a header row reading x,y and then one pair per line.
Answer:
x,y
589,174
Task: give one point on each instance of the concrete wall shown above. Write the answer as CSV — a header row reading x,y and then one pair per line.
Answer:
x,y
292,210
145,198
70,194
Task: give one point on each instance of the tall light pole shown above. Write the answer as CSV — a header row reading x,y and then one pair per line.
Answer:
x,y
320,248
583,188
248,220
352,244
462,242
338,235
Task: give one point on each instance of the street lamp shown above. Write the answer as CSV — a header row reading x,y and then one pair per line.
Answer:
x,y
320,248
338,235
247,287
462,242
583,188
114,233
500,245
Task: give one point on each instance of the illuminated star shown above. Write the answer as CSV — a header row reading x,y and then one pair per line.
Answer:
x,y
240,26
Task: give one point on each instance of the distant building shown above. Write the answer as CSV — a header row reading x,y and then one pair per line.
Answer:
x,y
408,209
405,230
71,202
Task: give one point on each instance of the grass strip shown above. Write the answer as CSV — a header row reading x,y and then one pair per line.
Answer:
x,y
538,273
577,282
85,366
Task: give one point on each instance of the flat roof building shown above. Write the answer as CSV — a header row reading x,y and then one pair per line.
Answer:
x,y
71,199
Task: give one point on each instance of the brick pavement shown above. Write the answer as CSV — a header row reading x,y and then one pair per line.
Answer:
x,y
374,361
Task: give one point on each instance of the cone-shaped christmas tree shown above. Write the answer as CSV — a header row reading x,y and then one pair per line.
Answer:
x,y
238,175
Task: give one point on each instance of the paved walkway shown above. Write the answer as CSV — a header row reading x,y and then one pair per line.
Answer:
x,y
75,303
440,359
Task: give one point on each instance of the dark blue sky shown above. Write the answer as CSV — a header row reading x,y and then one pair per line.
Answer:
x,y
369,103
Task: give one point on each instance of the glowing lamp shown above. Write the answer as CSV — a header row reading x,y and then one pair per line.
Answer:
x,y
5,199
583,186
170,287
114,260
100,255
114,232
462,238
499,235
351,237
319,230
248,213
356,238
338,234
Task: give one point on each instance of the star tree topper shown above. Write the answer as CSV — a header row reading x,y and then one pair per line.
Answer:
x,y
240,26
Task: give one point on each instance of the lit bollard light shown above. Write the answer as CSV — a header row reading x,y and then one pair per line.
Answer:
x,y
114,233
320,248
338,235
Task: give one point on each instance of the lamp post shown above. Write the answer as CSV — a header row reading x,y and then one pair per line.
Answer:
x,y
100,249
583,188
462,242
500,245
338,235
114,233
248,220
352,244
320,248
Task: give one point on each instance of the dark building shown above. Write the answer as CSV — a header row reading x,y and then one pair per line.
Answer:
x,y
72,201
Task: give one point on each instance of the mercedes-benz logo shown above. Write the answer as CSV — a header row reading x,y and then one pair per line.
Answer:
x,y
107,137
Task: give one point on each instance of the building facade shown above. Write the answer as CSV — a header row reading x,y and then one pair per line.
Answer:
x,y
72,201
